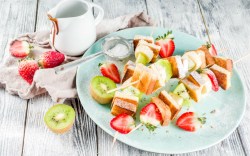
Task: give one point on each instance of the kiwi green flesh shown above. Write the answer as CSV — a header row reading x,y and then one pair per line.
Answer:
x,y
132,91
168,68
181,91
59,116
142,58
101,85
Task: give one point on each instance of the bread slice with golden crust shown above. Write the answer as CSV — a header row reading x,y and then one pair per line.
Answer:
x,y
223,76
225,63
209,58
123,103
178,68
128,71
155,48
207,87
202,56
193,90
137,38
164,110
172,104
196,78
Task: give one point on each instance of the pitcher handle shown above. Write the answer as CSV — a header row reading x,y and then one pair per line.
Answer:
x,y
100,15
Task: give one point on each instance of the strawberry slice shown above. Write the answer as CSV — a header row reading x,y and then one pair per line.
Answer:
x,y
27,69
51,59
123,123
211,49
20,49
167,44
150,116
110,70
213,79
190,122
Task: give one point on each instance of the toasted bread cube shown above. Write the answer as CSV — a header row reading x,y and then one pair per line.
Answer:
x,y
137,38
164,109
143,84
178,68
137,72
154,79
193,90
172,104
123,103
209,58
207,87
224,63
128,71
202,56
155,48
223,76
196,78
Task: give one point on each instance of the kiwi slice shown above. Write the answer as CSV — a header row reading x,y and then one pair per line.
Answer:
x,y
99,86
132,91
142,58
60,118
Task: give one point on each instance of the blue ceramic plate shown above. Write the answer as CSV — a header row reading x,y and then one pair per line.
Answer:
x,y
223,109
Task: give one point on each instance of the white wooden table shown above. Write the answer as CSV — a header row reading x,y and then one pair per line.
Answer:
x,y
22,130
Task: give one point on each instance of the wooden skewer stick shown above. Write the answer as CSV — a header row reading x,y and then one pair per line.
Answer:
x,y
242,58
122,87
115,137
138,126
116,133
153,30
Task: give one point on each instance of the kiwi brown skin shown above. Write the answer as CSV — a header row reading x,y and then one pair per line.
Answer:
x,y
99,99
61,131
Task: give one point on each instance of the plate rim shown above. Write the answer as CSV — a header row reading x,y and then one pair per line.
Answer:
x,y
161,151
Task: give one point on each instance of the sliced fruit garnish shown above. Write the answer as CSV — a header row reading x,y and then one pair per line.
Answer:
x,y
213,79
20,48
181,91
167,68
211,49
51,59
133,91
110,70
150,116
167,44
141,58
99,86
190,122
123,123
60,118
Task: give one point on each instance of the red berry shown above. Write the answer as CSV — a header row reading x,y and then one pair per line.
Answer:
x,y
213,79
150,116
167,44
110,70
123,123
20,49
190,122
27,69
51,59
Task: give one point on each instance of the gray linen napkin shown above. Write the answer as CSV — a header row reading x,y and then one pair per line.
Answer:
x,y
61,86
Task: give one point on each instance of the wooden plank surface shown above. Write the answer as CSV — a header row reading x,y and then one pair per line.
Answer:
x,y
80,140
228,23
228,27
16,17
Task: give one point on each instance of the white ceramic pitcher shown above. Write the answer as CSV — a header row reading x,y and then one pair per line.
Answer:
x,y
74,26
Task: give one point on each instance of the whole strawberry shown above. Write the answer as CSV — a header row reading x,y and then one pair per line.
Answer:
x,y
51,59
27,69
